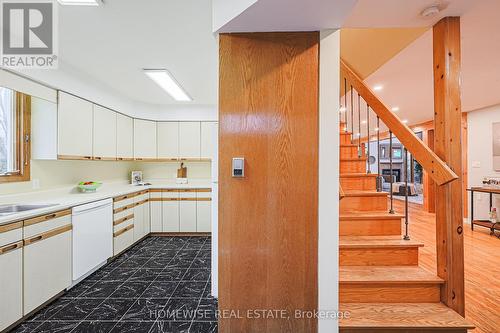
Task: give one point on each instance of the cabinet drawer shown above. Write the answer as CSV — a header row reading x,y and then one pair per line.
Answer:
x,y
11,284
122,208
123,213
123,201
11,233
123,222
170,195
122,239
47,222
187,194
47,266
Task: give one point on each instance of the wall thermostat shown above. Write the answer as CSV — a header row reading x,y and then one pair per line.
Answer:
x,y
238,167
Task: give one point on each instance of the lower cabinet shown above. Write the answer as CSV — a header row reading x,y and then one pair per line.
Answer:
x,y
47,266
203,215
123,238
11,275
155,209
187,214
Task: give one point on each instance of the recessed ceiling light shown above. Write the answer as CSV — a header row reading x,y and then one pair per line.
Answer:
x,y
395,109
376,129
405,121
167,82
79,2
378,87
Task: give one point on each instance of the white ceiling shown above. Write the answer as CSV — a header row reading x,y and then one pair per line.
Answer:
x,y
113,42
408,77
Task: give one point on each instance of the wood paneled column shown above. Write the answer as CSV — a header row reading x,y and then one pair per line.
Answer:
x,y
448,146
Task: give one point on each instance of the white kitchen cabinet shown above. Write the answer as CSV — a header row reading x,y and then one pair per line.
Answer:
x,y
203,215
144,139
168,140
189,140
187,211
43,129
138,222
124,137
208,135
104,134
11,276
47,266
170,207
156,211
74,127
123,239
147,217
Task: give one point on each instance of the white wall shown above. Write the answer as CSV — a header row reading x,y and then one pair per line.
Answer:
x,y
328,207
224,11
480,150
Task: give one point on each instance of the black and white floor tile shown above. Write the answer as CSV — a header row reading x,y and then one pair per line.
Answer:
x,y
160,285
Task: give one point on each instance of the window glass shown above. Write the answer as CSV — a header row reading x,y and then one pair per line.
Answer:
x,y
8,132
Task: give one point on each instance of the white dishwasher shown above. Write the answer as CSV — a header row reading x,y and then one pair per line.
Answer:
x,y
92,236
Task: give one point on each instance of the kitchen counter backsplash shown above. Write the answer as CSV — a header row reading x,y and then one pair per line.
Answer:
x,y
67,197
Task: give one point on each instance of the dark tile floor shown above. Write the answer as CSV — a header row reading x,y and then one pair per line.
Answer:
x,y
161,284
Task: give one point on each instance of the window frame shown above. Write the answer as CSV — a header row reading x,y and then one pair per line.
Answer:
x,y
23,141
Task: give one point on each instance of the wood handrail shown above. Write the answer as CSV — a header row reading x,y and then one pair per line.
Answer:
x,y
437,169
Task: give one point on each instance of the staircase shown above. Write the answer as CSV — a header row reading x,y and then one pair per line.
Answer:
x,y
380,282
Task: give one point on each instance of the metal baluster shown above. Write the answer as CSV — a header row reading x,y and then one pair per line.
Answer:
x,y
352,117
360,153
379,177
391,211
406,236
368,135
345,105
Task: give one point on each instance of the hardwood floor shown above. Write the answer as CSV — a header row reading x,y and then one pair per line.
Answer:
x,y
482,268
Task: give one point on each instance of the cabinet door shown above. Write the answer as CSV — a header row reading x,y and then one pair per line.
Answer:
x,y
187,215
156,216
208,137
168,140
11,284
138,222
144,139
171,215
203,216
104,141
147,218
47,267
189,139
74,127
124,137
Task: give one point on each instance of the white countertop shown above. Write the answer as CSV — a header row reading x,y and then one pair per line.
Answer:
x,y
64,198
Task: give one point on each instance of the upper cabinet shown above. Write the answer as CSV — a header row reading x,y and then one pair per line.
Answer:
x,y
124,137
189,140
144,139
43,129
104,132
74,127
168,140
209,133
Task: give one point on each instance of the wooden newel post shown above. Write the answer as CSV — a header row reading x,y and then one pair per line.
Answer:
x,y
448,146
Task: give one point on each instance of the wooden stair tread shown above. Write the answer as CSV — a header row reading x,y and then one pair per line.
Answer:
x,y
401,316
348,145
377,242
369,216
355,175
360,193
386,274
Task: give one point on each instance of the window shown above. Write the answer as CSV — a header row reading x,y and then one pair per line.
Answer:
x,y
14,136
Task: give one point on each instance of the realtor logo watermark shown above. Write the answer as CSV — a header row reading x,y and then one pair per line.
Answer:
x,y
29,34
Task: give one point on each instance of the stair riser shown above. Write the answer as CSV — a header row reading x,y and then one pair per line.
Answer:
x,y
364,204
358,183
379,256
353,166
387,293
388,227
349,152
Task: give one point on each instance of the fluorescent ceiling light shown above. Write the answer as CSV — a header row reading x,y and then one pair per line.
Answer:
x,y
395,109
378,87
79,2
167,82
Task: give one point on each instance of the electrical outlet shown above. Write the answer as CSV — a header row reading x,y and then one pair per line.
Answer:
x,y
476,164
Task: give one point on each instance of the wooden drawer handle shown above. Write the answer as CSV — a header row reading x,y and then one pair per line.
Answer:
x,y
87,157
11,247
51,216
48,234
123,219
124,230
97,158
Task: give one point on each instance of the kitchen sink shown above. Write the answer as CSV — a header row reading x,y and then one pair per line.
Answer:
x,y
13,209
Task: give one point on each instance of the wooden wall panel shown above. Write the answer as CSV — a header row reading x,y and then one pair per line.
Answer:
x,y
268,114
